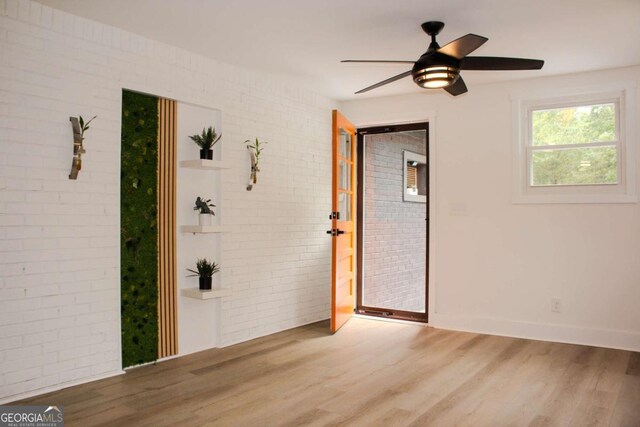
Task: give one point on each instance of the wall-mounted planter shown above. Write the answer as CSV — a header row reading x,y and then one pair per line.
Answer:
x,y
254,151
78,150
79,127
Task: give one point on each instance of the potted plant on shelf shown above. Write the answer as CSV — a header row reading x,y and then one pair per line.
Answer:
x,y
206,213
205,270
206,141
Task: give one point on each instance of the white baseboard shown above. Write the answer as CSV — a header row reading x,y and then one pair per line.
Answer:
x,y
45,390
609,338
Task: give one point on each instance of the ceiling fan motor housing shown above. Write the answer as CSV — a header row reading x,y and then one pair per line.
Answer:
x,y
435,70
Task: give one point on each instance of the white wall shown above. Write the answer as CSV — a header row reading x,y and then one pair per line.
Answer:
x,y
497,264
59,239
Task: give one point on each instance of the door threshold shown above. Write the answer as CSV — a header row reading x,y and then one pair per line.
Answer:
x,y
387,319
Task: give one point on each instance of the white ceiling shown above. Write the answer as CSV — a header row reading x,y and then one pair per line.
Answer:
x,y
306,39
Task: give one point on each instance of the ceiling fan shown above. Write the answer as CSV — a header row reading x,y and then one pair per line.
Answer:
x,y
439,67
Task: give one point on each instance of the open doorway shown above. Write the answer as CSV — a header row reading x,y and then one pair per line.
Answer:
x,y
392,222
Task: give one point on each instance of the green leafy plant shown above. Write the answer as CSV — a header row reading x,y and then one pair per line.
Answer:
x,y
204,268
84,126
208,138
257,148
203,205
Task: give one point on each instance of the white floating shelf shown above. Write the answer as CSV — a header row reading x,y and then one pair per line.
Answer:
x,y
200,294
203,164
202,228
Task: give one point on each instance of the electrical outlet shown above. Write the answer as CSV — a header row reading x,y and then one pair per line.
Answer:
x,y
556,305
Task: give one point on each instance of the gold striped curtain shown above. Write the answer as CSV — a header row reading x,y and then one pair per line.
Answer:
x,y
167,280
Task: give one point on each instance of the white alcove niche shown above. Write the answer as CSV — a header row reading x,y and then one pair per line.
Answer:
x,y
198,313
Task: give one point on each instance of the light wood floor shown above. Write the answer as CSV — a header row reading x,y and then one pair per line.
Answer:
x,y
371,373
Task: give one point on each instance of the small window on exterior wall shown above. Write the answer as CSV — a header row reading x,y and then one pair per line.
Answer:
x,y
415,177
574,149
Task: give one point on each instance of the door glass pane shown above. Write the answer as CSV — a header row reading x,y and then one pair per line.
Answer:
x,y
345,175
344,206
345,144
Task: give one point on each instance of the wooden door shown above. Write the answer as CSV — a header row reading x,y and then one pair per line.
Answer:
x,y
343,216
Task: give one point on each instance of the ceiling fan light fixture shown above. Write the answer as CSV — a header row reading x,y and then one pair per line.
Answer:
x,y
439,67
435,77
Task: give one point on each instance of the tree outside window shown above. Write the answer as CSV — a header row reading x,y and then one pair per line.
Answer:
x,y
574,145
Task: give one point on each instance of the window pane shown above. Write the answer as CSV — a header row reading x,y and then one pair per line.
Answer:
x,y
573,166
345,144
574,125
345,175
344,206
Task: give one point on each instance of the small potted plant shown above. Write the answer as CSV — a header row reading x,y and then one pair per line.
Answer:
x,y
206,141
206,213
205,270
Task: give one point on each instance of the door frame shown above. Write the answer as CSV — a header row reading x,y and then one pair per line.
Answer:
x,y
379,311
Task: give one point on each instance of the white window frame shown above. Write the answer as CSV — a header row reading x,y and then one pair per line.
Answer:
x,y
623,96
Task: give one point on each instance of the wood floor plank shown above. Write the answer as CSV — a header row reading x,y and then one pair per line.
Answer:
x,y
457,396
627,410
371,373
634,364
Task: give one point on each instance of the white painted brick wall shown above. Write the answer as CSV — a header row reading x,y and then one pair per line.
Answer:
x,y
59,239
394,230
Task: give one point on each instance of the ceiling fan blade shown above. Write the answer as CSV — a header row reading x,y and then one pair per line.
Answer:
x,y
498,63
458,88
384,82
378,61
459,48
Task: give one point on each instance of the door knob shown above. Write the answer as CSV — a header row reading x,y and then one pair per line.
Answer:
x,y
335,232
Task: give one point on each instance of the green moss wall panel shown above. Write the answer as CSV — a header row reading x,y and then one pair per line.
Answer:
x,y
139,228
